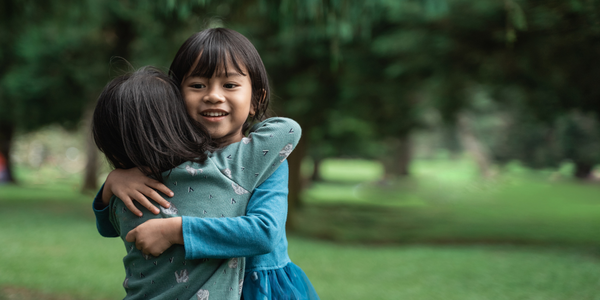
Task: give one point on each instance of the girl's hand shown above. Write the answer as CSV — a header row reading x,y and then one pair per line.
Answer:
x,y
155,236
132,184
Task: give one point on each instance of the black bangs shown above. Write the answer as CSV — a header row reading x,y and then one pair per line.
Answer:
x,y
211,51
215,59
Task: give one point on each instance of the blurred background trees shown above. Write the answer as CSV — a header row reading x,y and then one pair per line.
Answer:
x,y
503,80
470,123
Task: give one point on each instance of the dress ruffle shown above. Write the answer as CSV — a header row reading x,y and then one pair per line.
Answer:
x,y
287,283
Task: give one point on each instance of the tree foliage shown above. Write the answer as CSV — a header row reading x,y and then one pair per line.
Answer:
x,y
360,76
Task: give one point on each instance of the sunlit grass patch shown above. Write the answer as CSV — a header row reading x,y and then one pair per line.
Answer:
x,y
350,170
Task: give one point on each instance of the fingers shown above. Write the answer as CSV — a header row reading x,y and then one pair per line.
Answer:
x,y
141,199
129,204
152,252
130,237
159,187
146,240
140,245
152,194
132,185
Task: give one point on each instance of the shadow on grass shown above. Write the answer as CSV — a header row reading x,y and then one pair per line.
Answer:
x,y
16,293
451,224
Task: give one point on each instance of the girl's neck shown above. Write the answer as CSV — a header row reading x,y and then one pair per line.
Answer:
x,y
227,140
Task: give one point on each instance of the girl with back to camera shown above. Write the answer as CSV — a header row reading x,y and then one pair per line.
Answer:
x,y
207,67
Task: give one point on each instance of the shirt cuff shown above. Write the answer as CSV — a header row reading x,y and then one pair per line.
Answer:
x,y
98,205
192,250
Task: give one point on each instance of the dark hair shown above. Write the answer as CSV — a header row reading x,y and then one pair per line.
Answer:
x,y
141,121
213,49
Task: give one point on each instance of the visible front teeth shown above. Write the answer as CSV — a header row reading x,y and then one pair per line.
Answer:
x,y
214,114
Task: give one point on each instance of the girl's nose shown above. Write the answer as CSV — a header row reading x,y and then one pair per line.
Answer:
x,y
214,96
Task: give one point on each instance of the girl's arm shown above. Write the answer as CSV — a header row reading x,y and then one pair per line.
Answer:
x,y
256,233
128,185
102,212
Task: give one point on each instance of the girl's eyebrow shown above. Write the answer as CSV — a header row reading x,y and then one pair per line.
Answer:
x,y
230,74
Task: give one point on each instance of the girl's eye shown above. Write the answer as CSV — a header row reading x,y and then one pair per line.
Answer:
x,y
229,85
198,85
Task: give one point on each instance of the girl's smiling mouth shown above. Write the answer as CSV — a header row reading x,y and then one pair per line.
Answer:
x,y
213,115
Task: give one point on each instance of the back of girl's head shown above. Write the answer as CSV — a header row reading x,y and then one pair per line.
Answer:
x,y
214,51
141,121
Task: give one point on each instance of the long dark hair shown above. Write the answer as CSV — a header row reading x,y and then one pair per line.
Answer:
x,y
141,121
213,49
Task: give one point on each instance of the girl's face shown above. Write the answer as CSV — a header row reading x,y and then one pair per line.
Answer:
x,y
220,103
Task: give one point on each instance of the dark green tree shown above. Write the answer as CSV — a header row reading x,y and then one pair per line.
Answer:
x,y
546,77
45,65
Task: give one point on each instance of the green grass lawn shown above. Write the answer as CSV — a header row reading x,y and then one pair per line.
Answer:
x,y
449,272
446,202
519,236
53,249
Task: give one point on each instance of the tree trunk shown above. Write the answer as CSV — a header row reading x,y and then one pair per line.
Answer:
x,y
316,173
583,170
473,146
125,32
398,162
404,156
90,176
295,181
7,131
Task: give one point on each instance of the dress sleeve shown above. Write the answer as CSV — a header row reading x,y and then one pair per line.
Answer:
x,y
254,234
103,224
251,161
